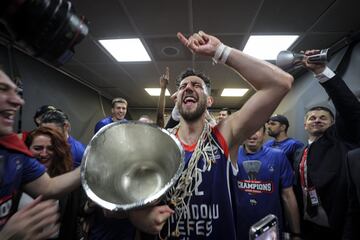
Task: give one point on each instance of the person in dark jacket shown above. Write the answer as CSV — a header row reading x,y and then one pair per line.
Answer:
x,y
353,169
320,167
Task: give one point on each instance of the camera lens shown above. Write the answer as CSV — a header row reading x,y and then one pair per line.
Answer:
x,y
49,27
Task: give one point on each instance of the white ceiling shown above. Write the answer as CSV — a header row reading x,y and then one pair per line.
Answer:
x,y
320,24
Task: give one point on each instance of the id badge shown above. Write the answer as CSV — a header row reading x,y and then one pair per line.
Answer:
x,y
313,197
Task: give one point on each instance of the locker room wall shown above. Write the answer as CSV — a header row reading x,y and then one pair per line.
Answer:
x,y
45,85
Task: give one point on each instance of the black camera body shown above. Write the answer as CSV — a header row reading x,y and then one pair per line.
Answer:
x,y
49,28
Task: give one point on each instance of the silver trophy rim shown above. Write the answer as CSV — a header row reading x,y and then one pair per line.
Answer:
x,y
148,201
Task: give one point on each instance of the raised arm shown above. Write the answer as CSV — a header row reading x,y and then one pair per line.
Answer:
x,y
271,84
164,80
347,122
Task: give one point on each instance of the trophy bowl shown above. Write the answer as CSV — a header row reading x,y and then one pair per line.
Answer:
x,y
130,165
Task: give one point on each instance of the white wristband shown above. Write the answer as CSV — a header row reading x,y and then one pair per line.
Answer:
x,y
219,51
225,55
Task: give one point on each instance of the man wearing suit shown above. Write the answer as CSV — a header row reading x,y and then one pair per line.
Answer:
x,y
353,169
320,168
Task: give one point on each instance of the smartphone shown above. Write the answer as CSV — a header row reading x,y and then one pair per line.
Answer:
x,y
265,229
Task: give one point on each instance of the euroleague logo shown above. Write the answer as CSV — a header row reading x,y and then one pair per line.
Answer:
x,y
255,186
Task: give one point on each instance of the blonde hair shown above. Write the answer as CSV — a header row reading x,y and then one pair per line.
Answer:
x,y
118,100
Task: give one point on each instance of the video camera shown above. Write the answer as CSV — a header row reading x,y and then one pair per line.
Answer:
x,y
48,28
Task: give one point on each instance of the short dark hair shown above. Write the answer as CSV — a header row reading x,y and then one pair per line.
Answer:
x,y
191,72
56,116
318,108
281,119
41,111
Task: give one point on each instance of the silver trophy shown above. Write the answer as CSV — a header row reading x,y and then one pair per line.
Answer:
x,y
288,60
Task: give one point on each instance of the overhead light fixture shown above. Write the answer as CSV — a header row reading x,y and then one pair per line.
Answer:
x,y
156,91
234,92
267,47
126,50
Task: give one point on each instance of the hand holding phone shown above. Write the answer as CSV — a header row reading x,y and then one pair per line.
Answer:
x,y
265,229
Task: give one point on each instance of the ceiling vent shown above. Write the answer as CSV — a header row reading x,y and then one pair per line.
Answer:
x,y
170,51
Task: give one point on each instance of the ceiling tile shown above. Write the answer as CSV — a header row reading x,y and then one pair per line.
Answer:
x,y
168,49
227,16
318,41
159,17
343,16
288,16
107,19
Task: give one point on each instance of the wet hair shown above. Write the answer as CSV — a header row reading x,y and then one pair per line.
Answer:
x,y
191,72
118,100
56,116
62,160
41,111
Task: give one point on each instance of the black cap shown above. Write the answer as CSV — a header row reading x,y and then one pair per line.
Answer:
x,y
281,119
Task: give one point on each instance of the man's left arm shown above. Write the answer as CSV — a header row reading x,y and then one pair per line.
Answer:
x,y
53,187
291,211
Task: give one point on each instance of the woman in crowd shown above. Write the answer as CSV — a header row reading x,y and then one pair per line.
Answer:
x,y
50,148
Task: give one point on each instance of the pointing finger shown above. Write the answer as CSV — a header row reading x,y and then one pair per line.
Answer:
x,y
182,39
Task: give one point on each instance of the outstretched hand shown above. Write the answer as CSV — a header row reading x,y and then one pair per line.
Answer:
x,y
314,67
200,43
36,221
151,219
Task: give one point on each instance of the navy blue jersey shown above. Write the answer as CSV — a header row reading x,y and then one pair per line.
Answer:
x,y
209,214
104,122
77,150
288,146
17,170
259,182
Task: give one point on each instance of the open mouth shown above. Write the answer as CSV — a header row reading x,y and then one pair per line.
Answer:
x,y
8,115
189,100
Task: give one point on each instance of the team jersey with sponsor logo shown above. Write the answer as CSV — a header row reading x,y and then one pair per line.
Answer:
x,y
259,182
209,214
16,170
